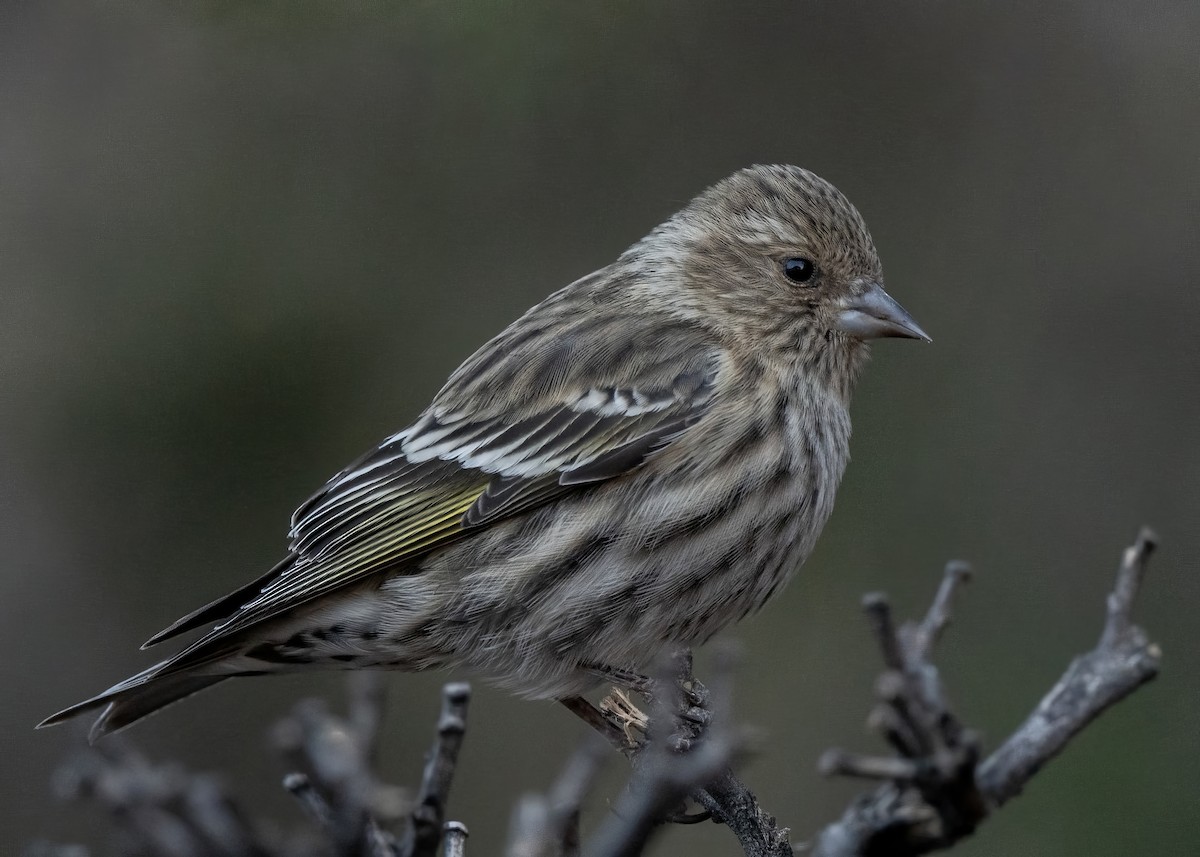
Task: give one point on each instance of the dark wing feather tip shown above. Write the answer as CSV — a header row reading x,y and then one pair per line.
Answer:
x,y
222,607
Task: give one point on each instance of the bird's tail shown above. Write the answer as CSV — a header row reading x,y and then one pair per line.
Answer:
x,y
135,698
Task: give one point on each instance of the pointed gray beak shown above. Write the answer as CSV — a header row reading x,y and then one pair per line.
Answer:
x,y
874,314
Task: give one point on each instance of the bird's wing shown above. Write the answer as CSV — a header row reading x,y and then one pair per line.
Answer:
x,y
459,468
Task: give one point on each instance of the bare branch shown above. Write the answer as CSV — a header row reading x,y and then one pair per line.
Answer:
x,y
337,776
937,792
879,614
455,838
662,781
930,630
1124,660
301,788
424,832
161,808
732,803
836,762
655,788
548,826
366,709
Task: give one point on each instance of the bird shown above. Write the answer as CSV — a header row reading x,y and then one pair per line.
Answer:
x,y
641,459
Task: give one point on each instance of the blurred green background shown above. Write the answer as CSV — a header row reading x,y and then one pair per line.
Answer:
x,y
240,243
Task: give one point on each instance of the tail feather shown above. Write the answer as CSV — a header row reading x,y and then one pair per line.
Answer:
x,y
133,699
222,608
211,659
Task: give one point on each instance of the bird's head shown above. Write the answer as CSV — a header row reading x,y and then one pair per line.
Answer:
x,y
777,255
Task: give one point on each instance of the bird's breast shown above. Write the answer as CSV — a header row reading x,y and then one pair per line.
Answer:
x,y
702,534
737,510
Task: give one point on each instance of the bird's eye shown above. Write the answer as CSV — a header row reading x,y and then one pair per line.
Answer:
x,y
799,270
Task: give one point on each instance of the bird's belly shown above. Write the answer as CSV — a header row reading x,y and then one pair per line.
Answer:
x,y
605,577
536,603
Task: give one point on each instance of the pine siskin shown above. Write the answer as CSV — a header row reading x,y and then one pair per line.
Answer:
x,y
644,457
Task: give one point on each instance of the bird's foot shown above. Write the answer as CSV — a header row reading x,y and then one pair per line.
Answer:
x,y
620,710
681,694
691,717
678,693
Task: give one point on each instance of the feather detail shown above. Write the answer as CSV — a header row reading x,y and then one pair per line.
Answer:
x,y
451,473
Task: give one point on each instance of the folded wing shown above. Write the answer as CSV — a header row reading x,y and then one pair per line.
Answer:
x,y
455,471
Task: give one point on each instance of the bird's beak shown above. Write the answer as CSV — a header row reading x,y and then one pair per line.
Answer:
x,y
873,314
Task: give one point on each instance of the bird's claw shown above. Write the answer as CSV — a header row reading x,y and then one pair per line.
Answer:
x,y
619,708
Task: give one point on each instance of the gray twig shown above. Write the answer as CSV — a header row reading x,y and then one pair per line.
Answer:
x,y
692,761
548,826
160,809
337,775
1123,661
366,709
424,831
926,635
455,839
679,757
937,791
301,788
733,804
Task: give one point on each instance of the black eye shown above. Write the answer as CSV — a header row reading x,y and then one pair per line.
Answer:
x,y
799,270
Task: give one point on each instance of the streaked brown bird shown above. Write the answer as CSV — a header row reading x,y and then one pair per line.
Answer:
x,y
641,459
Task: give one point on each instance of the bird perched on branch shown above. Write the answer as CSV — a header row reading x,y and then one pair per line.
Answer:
x,y
642,458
